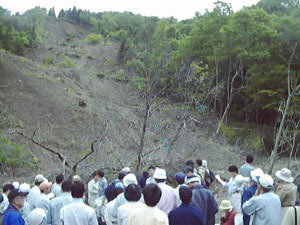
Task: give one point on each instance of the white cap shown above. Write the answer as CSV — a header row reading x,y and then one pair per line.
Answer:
x,y
285,175
36,216
129,179
24,188
239,179
256,174
16,184
266,181
126,170
192,180
39,178
160,174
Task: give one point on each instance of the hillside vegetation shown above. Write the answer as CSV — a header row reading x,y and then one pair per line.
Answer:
x,y
113,89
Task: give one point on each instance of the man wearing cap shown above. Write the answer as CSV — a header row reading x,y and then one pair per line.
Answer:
x,y
203,199
228,213
120,200
250,191
42,201
179,177
25,210
77,212
168,200
186,213
265,206
36,217
35,190
12,215
52,217
291,214
287,190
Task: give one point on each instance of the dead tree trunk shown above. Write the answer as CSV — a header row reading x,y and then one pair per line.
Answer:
x,y
291,93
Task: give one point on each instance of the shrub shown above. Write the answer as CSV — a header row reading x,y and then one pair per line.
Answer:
x,y
11,154
66,62
94,39
48,60
100,75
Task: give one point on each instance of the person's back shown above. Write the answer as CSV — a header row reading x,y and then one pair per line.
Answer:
x,y
186,213
77,212
290,216
265,207
203,199
12,215
148,213
246,169
132,195
168,200
58,203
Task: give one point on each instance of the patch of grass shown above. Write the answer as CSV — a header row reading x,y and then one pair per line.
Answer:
x,y
120,76
48,60
90,57
10,121
11,154
69,90
66,62
34,74
94,39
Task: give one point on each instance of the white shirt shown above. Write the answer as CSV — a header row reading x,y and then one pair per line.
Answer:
x,y
56,189
78,213
233,186
124,212
43,202
178,200
4,204
93,193
33,193
109,219
146,215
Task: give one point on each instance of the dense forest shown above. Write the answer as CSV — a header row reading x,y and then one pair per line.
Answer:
x,y
242,66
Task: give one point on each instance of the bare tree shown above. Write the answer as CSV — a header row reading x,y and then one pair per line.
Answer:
x,y
292,89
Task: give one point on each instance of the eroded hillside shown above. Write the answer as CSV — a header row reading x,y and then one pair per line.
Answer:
x,y
71,94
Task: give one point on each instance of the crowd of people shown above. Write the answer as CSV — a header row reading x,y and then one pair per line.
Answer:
x,y
150,200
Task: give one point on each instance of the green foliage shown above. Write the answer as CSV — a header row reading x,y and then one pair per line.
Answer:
x,y
19,32
48,60
94,39
66,62
11,155
51,12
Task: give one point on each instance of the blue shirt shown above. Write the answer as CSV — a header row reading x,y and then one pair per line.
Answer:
x,y
186,214
246,169
102,184
248,193
12,216
265,209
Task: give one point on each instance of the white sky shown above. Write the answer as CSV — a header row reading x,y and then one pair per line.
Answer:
x,y
180,9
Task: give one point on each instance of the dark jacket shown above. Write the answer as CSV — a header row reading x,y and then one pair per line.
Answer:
x,y
204,199
186,214
248,193
12,216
